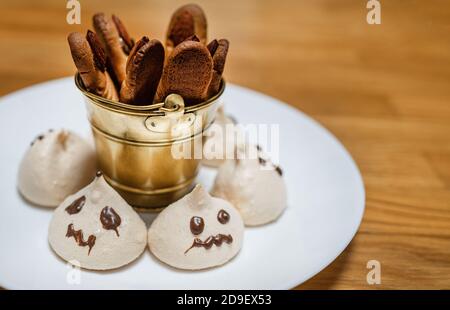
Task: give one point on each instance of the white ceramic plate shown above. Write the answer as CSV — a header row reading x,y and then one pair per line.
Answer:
x,y
325,202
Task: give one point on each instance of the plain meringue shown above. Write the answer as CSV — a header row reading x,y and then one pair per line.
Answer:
x,y
254,186
196,232
96,229
57,164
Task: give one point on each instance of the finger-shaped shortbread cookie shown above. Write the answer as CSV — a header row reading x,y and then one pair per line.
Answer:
x,y
116,42
219,51
90,60
144,69
187,72
188,20
212,46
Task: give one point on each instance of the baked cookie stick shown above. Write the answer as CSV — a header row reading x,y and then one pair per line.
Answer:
x,y
144,69
90,60
116,42
188,20
219,51
187,72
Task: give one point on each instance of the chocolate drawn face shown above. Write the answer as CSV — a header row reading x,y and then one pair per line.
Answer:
x,y
197,225
108,217
97,229
196,232
79,239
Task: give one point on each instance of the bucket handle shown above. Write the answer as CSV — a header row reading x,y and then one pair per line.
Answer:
x,y
173,119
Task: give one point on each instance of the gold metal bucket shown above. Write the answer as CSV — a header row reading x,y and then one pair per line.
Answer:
x,y
135,144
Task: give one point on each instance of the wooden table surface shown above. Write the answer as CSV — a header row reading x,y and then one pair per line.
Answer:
x,y
383,90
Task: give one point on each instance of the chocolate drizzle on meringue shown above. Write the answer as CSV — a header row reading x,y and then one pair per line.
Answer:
x,y
78,236
197,225
110,219
216,240
40,137
76,206
263,162
223,217
278,169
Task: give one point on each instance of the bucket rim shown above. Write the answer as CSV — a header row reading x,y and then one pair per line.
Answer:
x,y
147,110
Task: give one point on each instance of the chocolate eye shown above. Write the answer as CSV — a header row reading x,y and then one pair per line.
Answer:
x,y
197,225
223,217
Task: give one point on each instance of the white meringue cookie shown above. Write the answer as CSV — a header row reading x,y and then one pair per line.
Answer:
x,y
196,232
218,141
57,164
254,186
96,229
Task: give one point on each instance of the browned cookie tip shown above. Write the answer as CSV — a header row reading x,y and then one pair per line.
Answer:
x,y
219,51
188,20
144,69
116,42
90,60
187,72
127,41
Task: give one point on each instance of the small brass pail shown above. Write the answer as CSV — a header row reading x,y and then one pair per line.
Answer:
x,y
135,144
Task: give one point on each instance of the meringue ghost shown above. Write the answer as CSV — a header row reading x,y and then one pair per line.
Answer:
x,y
57,164
196,232
96,229
218,141
254,186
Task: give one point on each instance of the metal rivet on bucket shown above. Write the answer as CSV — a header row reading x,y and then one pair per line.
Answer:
x,y
174,120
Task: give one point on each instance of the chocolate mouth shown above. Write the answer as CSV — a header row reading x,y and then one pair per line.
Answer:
x,y
78,236
216,240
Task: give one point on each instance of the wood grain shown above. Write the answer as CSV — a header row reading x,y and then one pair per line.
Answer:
x,y
383,90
